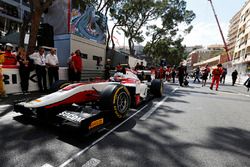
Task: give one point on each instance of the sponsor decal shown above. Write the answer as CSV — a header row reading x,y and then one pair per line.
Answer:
x,y
96,123
37,100
71,117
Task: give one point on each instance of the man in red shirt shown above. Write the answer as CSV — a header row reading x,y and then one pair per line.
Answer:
x,y
76,62
9,57
216,76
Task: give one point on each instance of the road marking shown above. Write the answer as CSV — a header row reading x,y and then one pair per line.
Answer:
x,y
100,139
152,110
4,107
92,163
47,165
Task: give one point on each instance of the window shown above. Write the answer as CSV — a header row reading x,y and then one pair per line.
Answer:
x,y
84,56
97,58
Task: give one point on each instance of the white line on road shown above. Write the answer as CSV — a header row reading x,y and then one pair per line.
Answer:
x,y
150,112
92,163
4,107
100,139
47,165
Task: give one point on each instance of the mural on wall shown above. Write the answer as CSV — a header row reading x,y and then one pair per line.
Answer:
x,y
89,23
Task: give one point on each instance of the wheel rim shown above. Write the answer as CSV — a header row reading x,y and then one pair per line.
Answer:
x,y
122,102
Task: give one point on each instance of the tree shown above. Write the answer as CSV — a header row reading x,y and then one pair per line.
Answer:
x,y
37,8
132,16
174,13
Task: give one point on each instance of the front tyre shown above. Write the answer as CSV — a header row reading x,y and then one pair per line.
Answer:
x,y
115,99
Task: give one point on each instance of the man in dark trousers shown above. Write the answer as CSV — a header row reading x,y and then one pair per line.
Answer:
x,y
40,62
181,73
53,66
234,76
77,65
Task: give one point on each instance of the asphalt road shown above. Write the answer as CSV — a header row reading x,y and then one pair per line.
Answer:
x,y
189,126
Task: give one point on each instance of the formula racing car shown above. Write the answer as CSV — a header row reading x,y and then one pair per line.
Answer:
x,y
92,104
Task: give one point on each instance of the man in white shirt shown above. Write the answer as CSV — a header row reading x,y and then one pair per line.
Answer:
x,y
39,61
53,66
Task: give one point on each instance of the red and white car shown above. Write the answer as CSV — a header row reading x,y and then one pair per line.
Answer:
x,y
90,105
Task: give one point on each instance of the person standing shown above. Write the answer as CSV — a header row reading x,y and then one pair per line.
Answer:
x,y
168,73
141,66
53,66
24,69
70,68
76,63
181,73
247,83
216,76
173,74
223,76
205,73
197,74
107,69
40,62
2,90
234,76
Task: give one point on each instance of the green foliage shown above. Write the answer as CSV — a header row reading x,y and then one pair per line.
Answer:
x,y
174,13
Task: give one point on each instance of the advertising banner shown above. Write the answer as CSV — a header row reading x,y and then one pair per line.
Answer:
x,y
88,23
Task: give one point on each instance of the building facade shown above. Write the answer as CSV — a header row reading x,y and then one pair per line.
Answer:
x,y
11,15
232,33
241,58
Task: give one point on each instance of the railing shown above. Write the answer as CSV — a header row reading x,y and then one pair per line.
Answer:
x,y
90,74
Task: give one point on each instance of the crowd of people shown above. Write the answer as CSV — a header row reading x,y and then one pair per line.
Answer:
x,y
48,65
43,64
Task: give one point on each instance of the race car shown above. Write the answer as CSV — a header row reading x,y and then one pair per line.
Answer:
x,y
91,105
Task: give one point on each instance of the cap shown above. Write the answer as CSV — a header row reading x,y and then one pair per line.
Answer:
x,y
9,44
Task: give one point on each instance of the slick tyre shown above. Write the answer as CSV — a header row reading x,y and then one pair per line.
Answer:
x,y
156,87
59,85
115,100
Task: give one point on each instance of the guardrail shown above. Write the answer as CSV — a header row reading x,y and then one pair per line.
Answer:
x,y
90,74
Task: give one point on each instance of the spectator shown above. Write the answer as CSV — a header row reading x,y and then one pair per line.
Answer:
x,y
234,76
173,73
40,62
197,74
77,65
168,73
137,66
9,56
24,69
2,91
205,73
247,83
70,68
181,73
216,76
107,69
53,66
223,76
141,67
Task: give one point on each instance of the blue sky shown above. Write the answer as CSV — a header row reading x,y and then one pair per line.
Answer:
x,y
205,31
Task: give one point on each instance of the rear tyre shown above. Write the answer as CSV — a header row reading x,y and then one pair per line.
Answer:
x,y
59,85
156,87
115,99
